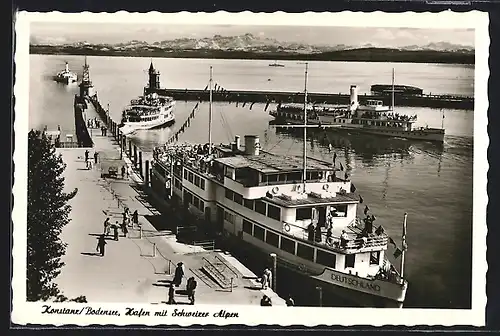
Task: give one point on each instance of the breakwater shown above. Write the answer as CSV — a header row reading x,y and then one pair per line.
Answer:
x,y
83,137
432,101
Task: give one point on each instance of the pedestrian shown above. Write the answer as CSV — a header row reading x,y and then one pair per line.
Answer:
x,y
96,155
179,274
105,131
289,301
171,294
115,231
101,243
190,288
135,218
124,228
269,277
106,226
86,155
266,301
264,280
123,172
89,164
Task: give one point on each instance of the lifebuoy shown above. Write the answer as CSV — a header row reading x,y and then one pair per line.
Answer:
x,y
286,227
325,187
275,190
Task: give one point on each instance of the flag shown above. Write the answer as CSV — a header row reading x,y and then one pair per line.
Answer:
x,y
353,188
392,242
361,199
397,253
366,209
379,230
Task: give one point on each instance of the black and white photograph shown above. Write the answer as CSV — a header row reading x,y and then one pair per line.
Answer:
x,y
241,168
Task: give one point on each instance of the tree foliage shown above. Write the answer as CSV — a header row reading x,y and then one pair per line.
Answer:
x,y
48,212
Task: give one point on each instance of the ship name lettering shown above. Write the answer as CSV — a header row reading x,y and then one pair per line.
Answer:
x,y
355,282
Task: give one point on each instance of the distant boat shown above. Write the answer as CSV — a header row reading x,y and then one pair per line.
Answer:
x,y
66,76
276,64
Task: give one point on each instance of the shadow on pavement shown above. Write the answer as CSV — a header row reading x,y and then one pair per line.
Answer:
x,y
99,234
92,254
253,287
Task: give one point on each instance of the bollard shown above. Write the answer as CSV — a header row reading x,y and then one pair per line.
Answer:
x,y
154,250
231,285
273,257
146,175
320,295
140,165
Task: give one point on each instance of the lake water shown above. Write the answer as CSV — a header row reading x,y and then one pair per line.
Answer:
x,y
433,184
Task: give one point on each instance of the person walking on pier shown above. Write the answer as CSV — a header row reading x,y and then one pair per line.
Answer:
x,y
86,155
171,294
96,155
179,274
106,226
265,279
123,172
115,232
124,228
135,218
289,301
101,243
190,289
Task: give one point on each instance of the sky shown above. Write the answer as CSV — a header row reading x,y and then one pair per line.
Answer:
x,y
43,32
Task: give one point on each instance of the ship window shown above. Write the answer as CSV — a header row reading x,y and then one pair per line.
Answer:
x,y
229,217
188,197
325,258
258,232
349,260
272,178
303,213
190,177
305,252
374,257
185,174
248,203
247,227
238,198
287,245
202,206
196,202
260,207
282,177
272,239
202,184
273,212
197,181
229,194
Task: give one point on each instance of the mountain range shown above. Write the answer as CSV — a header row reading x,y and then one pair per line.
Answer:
x,y
242,43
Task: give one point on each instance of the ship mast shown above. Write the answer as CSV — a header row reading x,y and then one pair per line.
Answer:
x,y
210,115
304,175
403,248
392,91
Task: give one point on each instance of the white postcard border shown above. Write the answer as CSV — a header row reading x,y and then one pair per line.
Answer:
x,y
27,312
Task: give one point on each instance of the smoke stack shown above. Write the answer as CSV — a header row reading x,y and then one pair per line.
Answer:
x,y
237,142
252,145
354,97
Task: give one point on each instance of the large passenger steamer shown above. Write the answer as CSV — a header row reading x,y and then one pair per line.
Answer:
x,y
300,208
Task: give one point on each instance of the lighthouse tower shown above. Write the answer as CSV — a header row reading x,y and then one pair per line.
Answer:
x,y
154,78
86,87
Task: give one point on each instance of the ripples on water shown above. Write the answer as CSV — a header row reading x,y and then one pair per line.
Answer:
x,y
432,183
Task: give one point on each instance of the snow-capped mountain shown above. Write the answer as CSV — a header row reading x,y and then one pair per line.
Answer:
x,y
246,42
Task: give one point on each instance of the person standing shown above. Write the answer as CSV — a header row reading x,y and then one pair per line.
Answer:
x,y
191,287
115,232
86,155
106,226
96,155
179,274
135,218
124,228
269,277
101,243
265,279
289,301
123,172
171,294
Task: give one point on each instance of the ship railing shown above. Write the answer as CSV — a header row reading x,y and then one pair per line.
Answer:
x,y
349,245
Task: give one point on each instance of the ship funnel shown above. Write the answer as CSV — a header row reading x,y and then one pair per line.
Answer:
x,y
252,145
237,142
354,97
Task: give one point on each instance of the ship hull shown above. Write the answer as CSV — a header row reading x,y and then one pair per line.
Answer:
x,y
331,291
166,118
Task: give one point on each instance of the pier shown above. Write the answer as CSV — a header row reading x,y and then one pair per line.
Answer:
x,y
268,97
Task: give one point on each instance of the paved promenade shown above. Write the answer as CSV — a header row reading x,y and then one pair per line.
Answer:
x,y
134,269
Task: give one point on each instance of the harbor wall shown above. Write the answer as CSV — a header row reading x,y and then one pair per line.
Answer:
x,y
83,137
431,101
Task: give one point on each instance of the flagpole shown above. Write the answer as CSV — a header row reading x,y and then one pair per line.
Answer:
x,y
210,115
392,97
304,175
403,248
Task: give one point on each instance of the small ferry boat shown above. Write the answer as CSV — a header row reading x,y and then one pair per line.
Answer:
x,y
66,76
276,64
372,118
302,209
147,112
